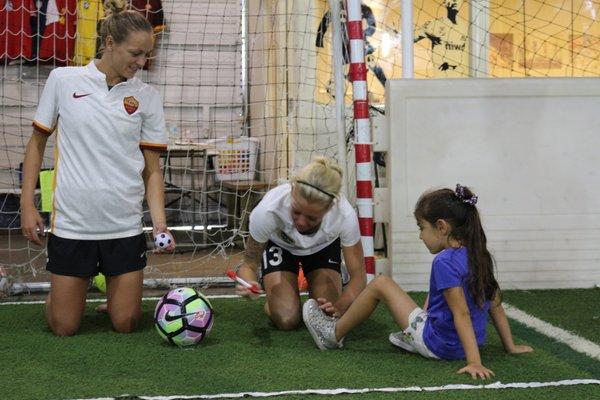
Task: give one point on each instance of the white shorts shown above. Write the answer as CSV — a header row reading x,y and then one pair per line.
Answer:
x,y
411,339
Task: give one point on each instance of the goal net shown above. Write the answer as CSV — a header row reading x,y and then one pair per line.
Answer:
x,y
249,93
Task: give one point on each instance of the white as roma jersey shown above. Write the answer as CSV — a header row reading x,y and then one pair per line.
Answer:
x,y
272,219
98,188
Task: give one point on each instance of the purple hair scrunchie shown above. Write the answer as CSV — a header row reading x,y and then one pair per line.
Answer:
x,y
460,193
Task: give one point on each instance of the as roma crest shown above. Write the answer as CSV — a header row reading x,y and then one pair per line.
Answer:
x,y
131,104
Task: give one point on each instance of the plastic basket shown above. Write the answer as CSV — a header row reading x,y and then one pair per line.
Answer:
x,y
236,158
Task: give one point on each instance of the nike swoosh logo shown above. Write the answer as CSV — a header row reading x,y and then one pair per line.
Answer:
x,y
76,96
172,317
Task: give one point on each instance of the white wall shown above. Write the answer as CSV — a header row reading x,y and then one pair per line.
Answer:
x,y
528,148
198,67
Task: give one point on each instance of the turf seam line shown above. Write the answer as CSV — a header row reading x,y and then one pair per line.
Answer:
x,y
491,386
570,339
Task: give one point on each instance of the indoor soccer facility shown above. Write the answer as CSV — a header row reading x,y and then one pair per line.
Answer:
x,y
405,95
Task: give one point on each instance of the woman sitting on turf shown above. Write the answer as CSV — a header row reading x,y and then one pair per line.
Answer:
x,y
305,222
462,291
110,130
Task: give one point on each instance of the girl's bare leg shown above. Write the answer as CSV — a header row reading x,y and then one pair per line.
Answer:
x,y
383,289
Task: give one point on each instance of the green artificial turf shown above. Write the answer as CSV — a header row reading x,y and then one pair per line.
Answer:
x,y
576,310
245,353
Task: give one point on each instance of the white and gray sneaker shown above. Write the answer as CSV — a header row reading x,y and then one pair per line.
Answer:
x,y
398,339
320,325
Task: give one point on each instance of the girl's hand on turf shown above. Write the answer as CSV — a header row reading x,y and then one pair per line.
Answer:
x,y
476,371
519,349
327,307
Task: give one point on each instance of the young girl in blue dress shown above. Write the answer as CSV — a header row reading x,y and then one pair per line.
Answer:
x,y
462,291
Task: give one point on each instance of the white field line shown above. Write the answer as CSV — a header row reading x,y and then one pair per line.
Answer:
x,y
493,386
572,340
102,300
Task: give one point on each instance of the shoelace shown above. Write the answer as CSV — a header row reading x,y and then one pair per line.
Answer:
x,y
322,321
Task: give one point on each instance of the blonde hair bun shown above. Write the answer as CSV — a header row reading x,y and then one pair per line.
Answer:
x,y
320,181
119,23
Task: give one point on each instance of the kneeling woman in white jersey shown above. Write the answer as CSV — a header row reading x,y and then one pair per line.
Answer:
x,y
304,223
109,128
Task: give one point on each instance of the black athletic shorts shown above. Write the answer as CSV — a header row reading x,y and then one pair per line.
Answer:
x,y
276,258
86,258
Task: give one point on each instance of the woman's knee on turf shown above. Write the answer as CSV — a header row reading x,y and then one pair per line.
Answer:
x,y
125,323
286,320
63,326
286,323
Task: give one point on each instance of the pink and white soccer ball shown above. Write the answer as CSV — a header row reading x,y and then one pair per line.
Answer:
x,y
183,317
162,240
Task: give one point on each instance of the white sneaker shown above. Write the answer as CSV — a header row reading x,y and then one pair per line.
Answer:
x,y
398,339
320,325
